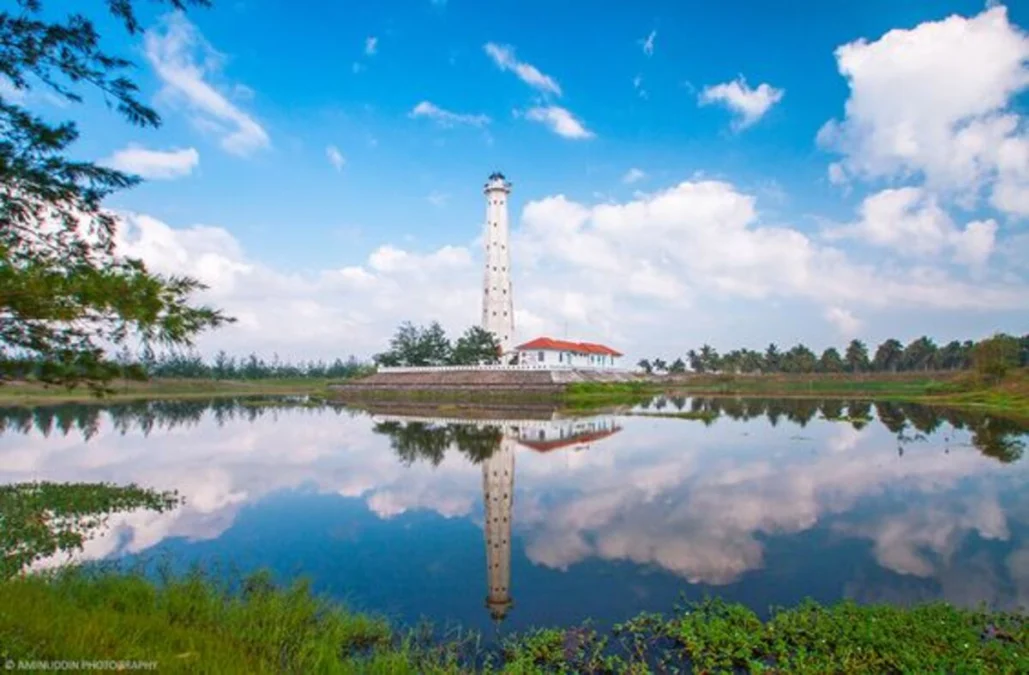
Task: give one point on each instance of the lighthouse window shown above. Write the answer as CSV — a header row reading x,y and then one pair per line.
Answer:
x,y
541,356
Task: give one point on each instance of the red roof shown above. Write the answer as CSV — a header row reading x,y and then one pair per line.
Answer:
x,y
565,346
588,437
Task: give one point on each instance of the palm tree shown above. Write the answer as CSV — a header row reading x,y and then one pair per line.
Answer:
x,y
856,356
888,356
696,364
920,354
709,357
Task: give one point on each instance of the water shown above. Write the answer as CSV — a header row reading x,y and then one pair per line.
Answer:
x,y
600,517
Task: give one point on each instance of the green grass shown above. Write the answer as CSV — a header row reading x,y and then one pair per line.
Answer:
x,y
588,395
35,393
191,624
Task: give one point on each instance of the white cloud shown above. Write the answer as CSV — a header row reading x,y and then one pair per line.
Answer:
x,y
633,175
559,120
935,102
975,244
154,164
504,57
845,323
648,43
611,271
336,157
445,118
910,222
371,45
637,84
184,61
438,199
749,105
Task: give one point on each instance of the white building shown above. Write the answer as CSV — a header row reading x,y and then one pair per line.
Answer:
x,y
549,352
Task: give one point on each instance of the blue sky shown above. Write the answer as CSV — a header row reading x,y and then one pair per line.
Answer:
x,y
285,221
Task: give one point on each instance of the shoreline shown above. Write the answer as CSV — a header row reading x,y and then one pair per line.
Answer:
x,y
1009,397
193,621
31,393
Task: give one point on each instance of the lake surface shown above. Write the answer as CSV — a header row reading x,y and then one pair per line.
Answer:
x,y
526,520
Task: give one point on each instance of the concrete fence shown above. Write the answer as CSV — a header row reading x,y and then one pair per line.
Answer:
x,y
498,367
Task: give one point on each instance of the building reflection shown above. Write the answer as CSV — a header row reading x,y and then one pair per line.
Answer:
x,y
503,439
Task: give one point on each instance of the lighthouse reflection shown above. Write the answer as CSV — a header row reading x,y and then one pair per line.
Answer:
x,y
492,442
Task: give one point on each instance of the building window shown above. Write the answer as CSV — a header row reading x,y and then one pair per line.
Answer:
x,y
541,357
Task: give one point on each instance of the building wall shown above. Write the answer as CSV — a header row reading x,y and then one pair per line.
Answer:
x,y
550,357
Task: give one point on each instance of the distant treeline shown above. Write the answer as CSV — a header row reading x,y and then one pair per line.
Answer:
x,y
992,355
193,366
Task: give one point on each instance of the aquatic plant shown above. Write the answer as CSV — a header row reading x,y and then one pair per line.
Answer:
x,y
40,519
193,624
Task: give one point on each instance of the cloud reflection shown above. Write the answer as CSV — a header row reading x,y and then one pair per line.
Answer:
x,y
696,501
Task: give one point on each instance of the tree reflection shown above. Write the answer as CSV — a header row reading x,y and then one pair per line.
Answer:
x,y
999,438
413,441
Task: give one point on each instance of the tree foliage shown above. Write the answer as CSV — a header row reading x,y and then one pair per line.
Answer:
x,y
192,366
993,357
429,346
477,345
66,295
41,519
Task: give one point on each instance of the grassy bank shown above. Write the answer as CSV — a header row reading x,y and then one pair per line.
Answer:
x,y
1008,396
35,393
589,395
193,625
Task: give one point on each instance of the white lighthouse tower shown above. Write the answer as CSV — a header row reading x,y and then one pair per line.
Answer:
x,y
497,305
497,497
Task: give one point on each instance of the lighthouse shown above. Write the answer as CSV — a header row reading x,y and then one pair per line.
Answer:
x,y
497,305
497,497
